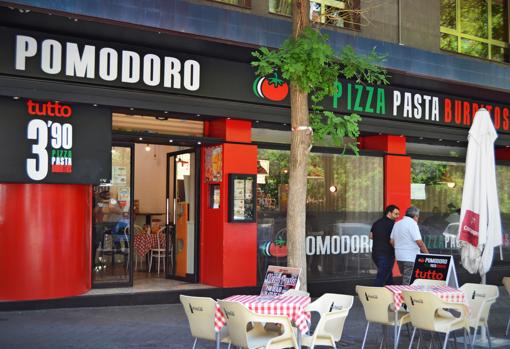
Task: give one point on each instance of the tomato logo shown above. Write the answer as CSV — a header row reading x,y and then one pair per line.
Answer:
x,y
274,88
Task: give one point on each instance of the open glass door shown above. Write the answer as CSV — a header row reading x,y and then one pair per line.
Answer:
x,y
181,214
112,219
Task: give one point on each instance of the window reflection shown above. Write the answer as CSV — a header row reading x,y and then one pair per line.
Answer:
x,y
337,221
338,13
241,3
440,203
481,31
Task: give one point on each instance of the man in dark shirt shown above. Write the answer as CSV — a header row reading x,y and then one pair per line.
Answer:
x,y
383,253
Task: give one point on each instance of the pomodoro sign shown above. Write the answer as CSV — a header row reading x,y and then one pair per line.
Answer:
x,y
57,57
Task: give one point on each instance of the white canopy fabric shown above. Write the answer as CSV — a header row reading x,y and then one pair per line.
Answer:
x,y
480,228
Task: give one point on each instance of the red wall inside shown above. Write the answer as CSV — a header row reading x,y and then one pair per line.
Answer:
x,y
228,251
45,239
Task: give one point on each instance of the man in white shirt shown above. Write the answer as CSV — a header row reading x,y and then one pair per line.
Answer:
x,y
406,239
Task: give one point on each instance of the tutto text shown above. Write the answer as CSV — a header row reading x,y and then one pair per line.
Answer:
x,y
49,109
108,64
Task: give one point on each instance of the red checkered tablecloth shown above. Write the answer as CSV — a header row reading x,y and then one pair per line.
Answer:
x,y
445,293
291,306
144,242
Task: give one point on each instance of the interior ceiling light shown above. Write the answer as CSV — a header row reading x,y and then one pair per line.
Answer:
x,y
147,147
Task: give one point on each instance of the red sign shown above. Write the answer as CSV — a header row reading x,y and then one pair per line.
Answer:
x,y
470,228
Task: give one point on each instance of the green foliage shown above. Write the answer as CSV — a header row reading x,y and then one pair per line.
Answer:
x,y
427,172
310,63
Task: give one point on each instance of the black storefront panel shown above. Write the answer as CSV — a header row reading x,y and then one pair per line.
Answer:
x,y
70,59
54,142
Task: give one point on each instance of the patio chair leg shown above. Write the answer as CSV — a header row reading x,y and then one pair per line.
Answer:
x,y
195,343
446,340
507,327
419,339
398,336
466,338
474,338
488,336
365,337
455,339
383,336
412,338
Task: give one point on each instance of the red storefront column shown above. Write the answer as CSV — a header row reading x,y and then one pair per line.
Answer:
x,y
397,171
228,251
397,168
45,240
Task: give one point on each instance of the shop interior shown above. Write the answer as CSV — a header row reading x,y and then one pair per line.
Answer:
x,y
144,217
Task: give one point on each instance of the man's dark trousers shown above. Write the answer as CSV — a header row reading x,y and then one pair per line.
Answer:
x,y
384,265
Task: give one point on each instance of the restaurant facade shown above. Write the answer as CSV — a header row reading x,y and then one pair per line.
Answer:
x,y
99,105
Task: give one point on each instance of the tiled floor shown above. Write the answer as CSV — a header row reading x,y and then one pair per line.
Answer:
x,y
144,282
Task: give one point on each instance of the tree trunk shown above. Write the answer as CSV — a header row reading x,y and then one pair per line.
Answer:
x,y
299,150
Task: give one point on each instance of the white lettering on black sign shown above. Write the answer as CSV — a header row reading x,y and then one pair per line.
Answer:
x,y
326,245
152,70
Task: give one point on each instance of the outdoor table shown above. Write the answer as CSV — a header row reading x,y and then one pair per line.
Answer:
x,y
445,293
294,307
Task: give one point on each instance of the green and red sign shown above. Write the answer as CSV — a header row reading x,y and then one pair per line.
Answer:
x,y
391,102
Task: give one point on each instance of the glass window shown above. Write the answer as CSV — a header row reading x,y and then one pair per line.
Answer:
x,y
345,196
477,28
241,3
338,13
111,249
437,192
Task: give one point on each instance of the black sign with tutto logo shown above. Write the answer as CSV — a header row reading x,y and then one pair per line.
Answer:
x,y
434,267
54,142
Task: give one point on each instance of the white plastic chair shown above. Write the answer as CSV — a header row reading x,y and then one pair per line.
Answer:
x,y
480,298
158,253
506,282
424,309
428,282
333,310
200,312
238,320
379,307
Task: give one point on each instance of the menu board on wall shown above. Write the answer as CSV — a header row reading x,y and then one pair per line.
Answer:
x,y
241,198
55,142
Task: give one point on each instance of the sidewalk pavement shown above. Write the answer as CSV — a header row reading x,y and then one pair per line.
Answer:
x,y
162,326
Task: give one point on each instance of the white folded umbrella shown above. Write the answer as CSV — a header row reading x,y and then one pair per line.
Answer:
x,y
480,228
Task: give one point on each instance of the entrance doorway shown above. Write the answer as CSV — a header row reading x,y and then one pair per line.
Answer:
x,y
149,234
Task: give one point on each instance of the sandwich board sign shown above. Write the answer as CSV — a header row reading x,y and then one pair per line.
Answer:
x,y
278,280
435,267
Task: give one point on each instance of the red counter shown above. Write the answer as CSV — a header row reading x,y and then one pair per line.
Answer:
x,y
45,240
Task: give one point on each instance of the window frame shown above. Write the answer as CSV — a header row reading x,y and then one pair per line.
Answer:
x,y
457,32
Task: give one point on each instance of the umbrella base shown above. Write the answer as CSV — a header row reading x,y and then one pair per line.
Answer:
x,y
484,343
